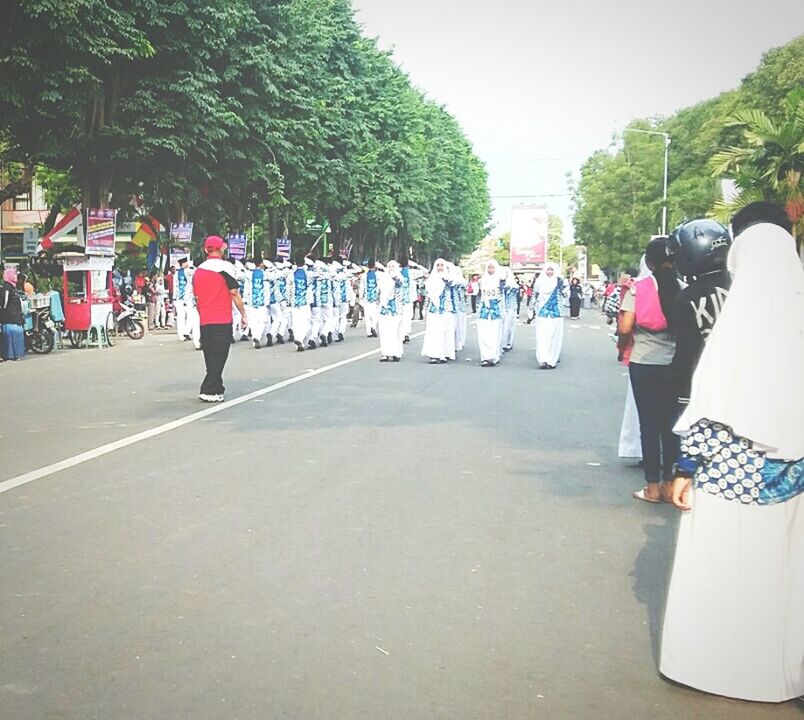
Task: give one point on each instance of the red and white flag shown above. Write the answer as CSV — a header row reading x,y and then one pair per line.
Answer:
x,y
73,220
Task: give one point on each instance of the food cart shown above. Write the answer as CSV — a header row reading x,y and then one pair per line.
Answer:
x,y
87,284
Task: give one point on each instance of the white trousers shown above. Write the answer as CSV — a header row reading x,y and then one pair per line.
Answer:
x,y
407,320
343,319
452,330
183,308
390,338
549,339
489,335
258,322
371,314
194,326
301,323
237,330
460,331
328,324
276,317
284,322
509,324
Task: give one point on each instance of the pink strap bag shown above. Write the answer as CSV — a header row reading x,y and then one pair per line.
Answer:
x,y
649,313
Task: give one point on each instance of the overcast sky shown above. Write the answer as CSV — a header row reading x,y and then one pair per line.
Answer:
x,y
538,86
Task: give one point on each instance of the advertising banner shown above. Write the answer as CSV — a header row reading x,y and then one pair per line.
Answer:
x,y
283,248
237,245
181,234
100,232
528,236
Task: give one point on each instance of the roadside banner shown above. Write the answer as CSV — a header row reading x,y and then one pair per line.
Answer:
x,y
528,236
100,232
181,235
283,248
237,245
72,220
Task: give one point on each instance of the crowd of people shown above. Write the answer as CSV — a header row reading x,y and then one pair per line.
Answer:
x,y
714,367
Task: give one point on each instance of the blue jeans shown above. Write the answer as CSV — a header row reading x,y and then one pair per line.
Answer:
x,y
657,410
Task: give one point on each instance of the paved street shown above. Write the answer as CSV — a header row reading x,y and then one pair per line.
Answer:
x,y
397,541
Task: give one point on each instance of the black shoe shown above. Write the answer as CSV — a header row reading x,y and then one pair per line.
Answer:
x,y
407,339
484,363
543,366
311,345
290,336
279,340
323,341
442,361
256,344
299,347
384,358
373,333
394,358
269,341
329,337
435,361
340,337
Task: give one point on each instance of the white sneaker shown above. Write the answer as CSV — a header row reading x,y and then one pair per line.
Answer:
x,y
210,398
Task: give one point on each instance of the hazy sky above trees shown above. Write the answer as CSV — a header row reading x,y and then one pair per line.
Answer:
x,y
538,86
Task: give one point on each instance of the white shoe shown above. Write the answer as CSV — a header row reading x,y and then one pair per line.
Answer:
x,y
210,398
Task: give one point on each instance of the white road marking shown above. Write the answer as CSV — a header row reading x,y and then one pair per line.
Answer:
x,y
111,447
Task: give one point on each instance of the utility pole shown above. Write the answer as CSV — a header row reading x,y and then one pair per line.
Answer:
x,y
667,141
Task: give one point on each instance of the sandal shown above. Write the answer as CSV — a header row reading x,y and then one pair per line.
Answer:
x,y
640,495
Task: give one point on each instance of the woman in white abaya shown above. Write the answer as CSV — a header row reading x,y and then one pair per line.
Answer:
x,y
437,344
389,285
734,623
549,323
489,319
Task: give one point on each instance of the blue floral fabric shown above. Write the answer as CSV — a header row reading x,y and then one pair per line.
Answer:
x,y
552,308
728,465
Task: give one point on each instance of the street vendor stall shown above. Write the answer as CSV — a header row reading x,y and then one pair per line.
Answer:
x,y
88,313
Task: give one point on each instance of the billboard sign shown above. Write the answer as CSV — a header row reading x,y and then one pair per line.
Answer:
x,y
237,245
528,236
100,232
283,246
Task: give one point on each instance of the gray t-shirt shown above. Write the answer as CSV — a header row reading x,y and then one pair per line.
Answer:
x,y
650,348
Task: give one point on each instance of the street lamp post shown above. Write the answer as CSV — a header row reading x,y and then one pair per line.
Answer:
x,y
667,141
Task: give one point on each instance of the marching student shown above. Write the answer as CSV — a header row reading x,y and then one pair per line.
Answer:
x,y
411,272
437,343
549,323
489,320
370,299
301,299
511,293
254,300
390,285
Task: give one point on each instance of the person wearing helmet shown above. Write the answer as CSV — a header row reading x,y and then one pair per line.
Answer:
x,y
699,249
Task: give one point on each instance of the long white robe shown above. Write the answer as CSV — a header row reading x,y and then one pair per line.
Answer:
x,y
489,339
549,339
630,445
734,623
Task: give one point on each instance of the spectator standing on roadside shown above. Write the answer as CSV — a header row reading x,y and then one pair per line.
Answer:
x,y
215,287
11,319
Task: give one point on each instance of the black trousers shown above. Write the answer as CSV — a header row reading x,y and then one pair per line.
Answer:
x,y
657,408
474,303
215,342
575,307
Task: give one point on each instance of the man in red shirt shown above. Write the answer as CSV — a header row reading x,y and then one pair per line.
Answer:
x,y
215,288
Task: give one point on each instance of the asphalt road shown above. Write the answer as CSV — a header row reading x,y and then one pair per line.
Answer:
x,y
369,541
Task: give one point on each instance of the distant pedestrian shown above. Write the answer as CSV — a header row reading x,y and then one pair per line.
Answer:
x,y
575,298
11,319
215,287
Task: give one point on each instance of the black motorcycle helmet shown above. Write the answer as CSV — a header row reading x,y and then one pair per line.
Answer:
x,y
699,247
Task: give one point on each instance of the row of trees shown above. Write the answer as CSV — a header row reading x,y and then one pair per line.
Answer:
x,y
753,135
231,112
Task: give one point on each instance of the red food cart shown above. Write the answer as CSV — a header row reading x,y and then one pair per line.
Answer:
x,y
88,313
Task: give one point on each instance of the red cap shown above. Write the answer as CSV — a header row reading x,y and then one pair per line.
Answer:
x,y
214,242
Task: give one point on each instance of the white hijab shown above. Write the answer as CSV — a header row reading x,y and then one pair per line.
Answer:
x,y
434,285
491,281
545,284
386,282
749,376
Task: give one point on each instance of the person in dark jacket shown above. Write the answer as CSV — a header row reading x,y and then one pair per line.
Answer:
x,y
700,249
11,319
576,293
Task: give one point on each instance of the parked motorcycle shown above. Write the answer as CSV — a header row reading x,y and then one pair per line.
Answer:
x,y
41,337
128,321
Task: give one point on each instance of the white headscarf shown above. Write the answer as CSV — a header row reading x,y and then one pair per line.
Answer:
x,y
749,376
644,270
434,285
489,281
545,284
386,281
